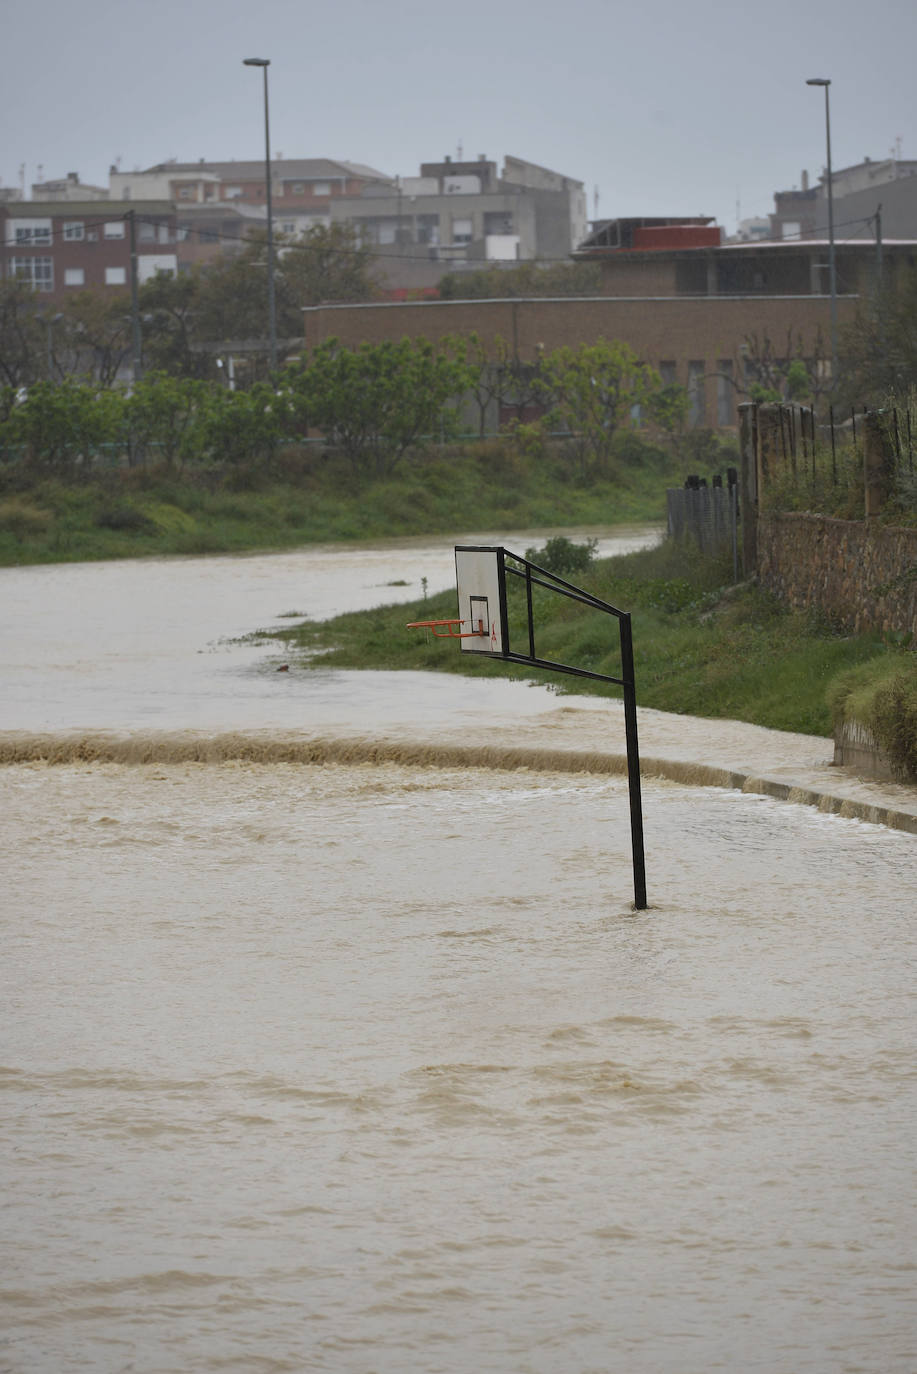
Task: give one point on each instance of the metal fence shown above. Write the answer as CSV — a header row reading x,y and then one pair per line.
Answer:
x,y
708,516
820,457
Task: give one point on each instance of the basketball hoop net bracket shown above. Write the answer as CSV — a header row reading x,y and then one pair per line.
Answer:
x,y
481,576
444,629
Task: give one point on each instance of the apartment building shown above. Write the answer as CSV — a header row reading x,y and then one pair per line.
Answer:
x,y
460,213
61,247
68,188
297,184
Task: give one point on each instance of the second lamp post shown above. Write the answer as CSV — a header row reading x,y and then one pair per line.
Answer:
x,y
264,63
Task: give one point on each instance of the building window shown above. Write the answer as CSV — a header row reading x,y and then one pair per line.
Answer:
x,y
74,231
498,222
791,229
461,231
232,192
298,188
164,235
114,229
147,233
668,373
321,188
697,412
183,233
725,393
32,232
116,276
38,272
185,192
74,276
428,229
288,226
208,236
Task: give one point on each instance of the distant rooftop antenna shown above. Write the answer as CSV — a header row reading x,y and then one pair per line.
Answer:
x,y
595,203
461,152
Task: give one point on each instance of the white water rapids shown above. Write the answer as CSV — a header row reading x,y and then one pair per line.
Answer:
x,y
373,1068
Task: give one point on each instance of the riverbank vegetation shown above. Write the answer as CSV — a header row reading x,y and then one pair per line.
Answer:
x,y
306,495
349,444
880,695
702,646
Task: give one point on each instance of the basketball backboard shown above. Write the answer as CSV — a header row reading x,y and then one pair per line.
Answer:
x,y
481,583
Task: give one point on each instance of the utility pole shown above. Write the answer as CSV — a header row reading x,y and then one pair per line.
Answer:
x,y
832,274
137,344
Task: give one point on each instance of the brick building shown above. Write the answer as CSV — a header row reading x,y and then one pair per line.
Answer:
x,y
63,247
689,312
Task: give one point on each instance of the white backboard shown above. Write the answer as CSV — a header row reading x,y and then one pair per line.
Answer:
x,y
481,585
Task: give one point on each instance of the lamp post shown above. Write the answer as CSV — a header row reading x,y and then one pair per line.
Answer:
x,y
832,275
264,63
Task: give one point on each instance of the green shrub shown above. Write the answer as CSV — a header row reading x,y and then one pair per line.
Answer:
x,y
23,520
881,695
125,519
560,555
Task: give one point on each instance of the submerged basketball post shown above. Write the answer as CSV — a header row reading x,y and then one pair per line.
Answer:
x,y
482,627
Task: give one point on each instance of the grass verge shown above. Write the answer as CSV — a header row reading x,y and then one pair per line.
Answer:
x,y
310,497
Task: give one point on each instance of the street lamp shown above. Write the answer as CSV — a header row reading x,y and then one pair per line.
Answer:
x,y
264,63
832,276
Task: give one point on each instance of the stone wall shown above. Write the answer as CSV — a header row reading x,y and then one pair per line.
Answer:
x,y
861,574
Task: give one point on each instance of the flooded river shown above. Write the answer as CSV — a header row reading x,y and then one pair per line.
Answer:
x,y
373,1068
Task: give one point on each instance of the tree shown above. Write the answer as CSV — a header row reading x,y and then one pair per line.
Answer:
x,y
375,401
243,426
62,425
526,279
594,390
794,372
168,312
327,264
164,416
487,371
96,331
230,300
23,348
878,353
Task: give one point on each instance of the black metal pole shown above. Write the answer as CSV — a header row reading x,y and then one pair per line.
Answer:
x,y
136,338
528,604
264,63
633,762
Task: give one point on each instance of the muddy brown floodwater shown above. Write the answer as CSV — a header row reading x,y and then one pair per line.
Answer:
x,y
373,1068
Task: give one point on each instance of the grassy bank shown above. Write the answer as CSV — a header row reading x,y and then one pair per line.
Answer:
x,y
701,647
307,496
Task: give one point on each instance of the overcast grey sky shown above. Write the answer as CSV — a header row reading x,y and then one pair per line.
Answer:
x,y
676,107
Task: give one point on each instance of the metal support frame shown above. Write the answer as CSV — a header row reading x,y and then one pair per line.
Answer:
x,y
535,576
